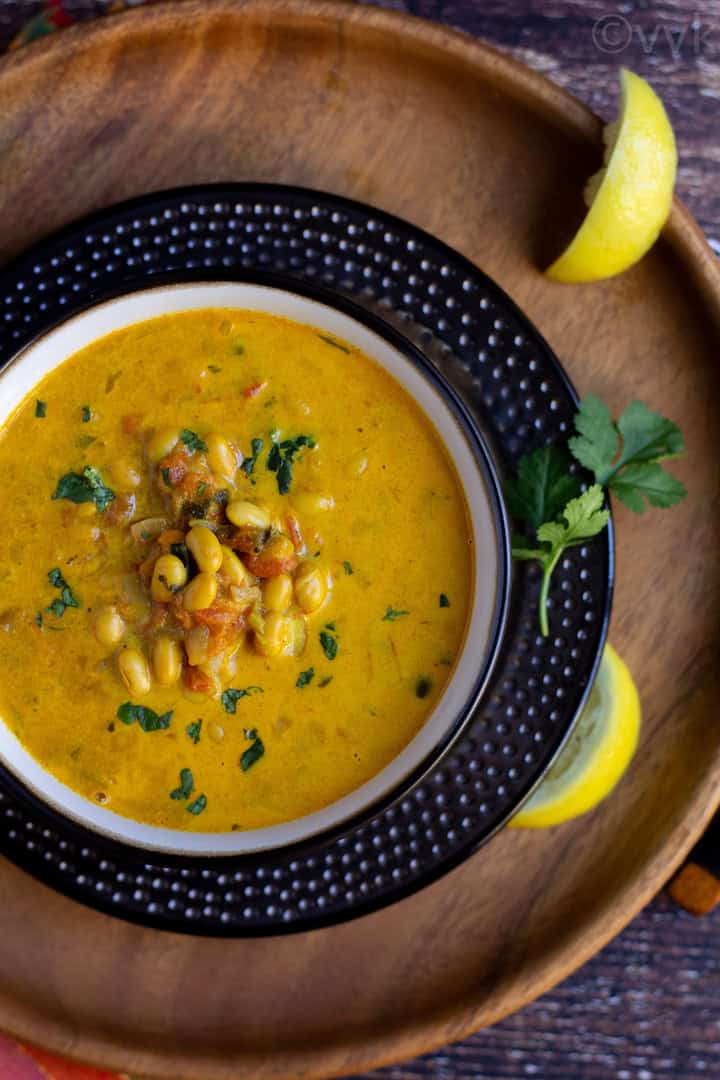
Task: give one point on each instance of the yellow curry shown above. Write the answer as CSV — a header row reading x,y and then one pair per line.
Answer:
x,y
235,570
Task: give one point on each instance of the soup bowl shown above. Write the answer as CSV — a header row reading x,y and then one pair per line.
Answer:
x,y
391,350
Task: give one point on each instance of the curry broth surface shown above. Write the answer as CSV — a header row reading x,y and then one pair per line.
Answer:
x,y
399,522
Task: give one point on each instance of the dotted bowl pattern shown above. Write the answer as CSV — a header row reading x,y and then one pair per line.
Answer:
x,y
515,387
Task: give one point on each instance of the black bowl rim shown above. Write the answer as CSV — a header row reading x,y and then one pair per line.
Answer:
x,y
486,465
244,190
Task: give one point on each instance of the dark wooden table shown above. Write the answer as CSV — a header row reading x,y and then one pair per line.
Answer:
x,y
648,1006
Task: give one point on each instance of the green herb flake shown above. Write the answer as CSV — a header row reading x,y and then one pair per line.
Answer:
x,y
186,786
253,753
147,718
335,344
166,477
305,678
197,806
39,619
347,567
86,414
40,409
66,599
193,731
281,458
329,644
444,602
238,349
392,614
214,368
202,488
193,441
423,686
231,696
84,488
249,463
325,682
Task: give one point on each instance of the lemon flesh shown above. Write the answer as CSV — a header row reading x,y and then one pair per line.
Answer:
x,y
597,753
630,198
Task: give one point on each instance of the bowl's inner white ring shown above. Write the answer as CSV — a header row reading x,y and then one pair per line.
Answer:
x,y
41,357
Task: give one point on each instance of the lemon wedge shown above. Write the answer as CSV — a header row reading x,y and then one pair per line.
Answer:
x,y
597,753
630,197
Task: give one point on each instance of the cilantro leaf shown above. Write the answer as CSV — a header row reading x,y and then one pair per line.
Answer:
x,y
66,599
86,414
40,409
391,615
193,730
231,696
282,456
329,644
253,753
147,718
597,442
305,678
84,488
444,602
423,686
192,441
335,344
647,481
625,456
186,785
543,486
347,567
197,806
249,463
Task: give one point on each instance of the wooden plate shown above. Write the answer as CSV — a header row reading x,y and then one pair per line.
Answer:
x,y
432,126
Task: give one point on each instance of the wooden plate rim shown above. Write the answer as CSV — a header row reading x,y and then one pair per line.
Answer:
x,y
427,1031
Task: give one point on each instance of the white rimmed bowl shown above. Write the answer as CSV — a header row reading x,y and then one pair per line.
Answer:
x,y
466,447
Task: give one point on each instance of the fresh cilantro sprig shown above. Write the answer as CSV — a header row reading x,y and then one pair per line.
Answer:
x,y
624,457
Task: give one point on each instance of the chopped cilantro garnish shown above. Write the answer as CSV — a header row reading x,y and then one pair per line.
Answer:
x,y
391,614
305,678
38,618
231,696
238,349
249,463
192,441
186,785
423,686
166,477
197,806
147,718
329,644
84,488
335,344
202,488
444,602
66,599
193,730
282,456
325,682
253,753
347,567
40,409
86,414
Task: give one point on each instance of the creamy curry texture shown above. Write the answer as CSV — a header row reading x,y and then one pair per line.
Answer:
x,y
235,570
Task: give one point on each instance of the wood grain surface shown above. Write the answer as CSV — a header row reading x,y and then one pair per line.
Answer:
x,y
508,165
